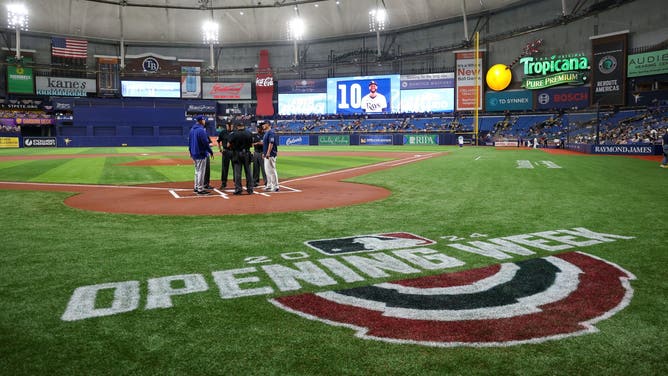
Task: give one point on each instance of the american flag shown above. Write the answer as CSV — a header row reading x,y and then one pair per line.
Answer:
x,y
70,48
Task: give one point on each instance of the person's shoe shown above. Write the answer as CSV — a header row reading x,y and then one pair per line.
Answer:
x,y
237,192
250,191
203,192
208,187
268,189
195,190
663,166
275,189
222,187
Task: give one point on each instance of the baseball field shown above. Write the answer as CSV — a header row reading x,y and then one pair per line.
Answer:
x,y
403,260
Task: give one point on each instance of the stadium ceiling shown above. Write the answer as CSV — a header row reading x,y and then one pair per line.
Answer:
x,y
240,21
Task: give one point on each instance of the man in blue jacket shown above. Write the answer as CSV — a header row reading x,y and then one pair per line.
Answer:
x,y
200,150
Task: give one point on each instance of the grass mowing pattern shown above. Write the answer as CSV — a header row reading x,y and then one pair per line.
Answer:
x,y
50,249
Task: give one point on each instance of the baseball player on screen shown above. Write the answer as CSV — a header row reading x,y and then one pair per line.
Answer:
x,y
374,102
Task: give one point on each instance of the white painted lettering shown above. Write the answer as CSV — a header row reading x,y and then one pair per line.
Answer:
x,y
160,290
375,267
286,278
428,259
495,248
82,303
537,243
341,270
230,285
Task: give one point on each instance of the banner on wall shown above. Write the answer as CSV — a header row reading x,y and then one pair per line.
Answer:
x,y
226,90
557,98
64,86
648,64
608,86
20,79
513,100
465,79
191,82
108,76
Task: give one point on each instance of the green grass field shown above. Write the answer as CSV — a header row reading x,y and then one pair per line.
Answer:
x,y
225,323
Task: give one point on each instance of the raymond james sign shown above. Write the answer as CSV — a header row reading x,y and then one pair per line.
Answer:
x,y
66,87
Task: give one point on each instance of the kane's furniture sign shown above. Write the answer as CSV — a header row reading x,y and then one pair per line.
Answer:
x,y
65,87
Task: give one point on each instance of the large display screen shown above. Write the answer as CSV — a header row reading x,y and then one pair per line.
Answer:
x,y
151,89
428,100
295,104
368,94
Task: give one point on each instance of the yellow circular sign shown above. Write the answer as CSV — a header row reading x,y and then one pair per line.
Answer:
x,y
498,77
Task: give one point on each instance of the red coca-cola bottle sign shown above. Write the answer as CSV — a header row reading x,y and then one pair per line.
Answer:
x,y
264,86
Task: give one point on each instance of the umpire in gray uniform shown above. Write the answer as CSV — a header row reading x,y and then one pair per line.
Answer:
x,y
258,161
240,143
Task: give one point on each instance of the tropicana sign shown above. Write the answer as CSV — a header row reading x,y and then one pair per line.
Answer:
x,y
555,70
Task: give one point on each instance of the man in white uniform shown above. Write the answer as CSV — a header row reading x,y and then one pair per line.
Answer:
x,y
374,102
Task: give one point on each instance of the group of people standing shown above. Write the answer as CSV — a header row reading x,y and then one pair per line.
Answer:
x,y
235,143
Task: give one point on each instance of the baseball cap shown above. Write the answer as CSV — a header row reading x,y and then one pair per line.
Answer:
x,y
373,83
199,117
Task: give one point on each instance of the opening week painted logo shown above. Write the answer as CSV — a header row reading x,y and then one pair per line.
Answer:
x,y
528,301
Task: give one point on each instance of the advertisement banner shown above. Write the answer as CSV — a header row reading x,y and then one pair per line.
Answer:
x,y
191,82
293,140
302,86
226,90
467,78
556,98
342,139
20,79
508,100
427,81
376,139
65,86
33,121
9,142
264,86
635,149
421,139
608,85
648,64
35,142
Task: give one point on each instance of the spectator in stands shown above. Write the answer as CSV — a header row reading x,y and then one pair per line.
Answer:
x,y
664,141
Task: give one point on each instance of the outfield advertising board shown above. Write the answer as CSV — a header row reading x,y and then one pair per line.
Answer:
x,y
635,149
513,100
570,97
20,80
293,140
420,139
376,139
37,142
9,142
338,139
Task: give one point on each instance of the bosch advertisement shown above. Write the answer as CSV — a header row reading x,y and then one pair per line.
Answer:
x,y
556,98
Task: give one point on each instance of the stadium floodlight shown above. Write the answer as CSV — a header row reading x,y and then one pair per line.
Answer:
x,y
377,21
210,37
210,32
17,18
296,29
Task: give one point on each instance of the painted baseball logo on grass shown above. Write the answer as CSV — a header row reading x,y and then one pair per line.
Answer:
x,y
506,304
368,243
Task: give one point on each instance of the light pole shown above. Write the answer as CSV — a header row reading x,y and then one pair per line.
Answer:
x,y
210,37
17,17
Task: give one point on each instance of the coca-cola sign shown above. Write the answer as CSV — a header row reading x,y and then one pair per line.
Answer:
x,y
266,81
264,86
